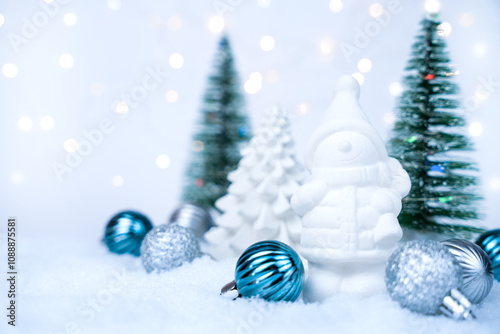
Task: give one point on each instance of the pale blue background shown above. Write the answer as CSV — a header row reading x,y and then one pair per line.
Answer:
x,y
115,47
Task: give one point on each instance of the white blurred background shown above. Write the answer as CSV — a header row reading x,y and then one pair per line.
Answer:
x,y
63,73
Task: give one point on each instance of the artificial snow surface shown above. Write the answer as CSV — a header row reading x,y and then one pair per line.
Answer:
x,y
59,278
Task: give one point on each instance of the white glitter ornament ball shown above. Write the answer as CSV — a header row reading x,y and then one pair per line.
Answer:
x,y
420,274
168,246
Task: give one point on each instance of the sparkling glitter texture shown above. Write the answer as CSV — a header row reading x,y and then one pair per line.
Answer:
x,y
168,246
476,268
420,274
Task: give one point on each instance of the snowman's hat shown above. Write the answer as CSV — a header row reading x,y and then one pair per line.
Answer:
x,y
344,114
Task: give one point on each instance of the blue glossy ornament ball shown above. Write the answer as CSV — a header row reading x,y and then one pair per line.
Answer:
x,y
125,232
270,270
490,243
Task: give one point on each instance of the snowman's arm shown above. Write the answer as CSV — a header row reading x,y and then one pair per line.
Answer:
x,y
387,232
400,180
387,203
308,196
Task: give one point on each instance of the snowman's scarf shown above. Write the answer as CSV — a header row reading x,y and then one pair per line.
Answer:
x,y
372,175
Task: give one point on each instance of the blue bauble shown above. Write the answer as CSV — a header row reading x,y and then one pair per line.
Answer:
x,y
125,231
270,270
490,243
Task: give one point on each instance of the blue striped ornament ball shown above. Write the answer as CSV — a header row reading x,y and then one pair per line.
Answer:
x,y
125,232
270,270
490,243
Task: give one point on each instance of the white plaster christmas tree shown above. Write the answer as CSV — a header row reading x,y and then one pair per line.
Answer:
x,y
349,208
257,206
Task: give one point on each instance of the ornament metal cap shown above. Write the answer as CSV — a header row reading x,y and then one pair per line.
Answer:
x,y
229,290
457,306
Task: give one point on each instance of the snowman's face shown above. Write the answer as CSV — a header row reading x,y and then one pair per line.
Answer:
x,y
345,149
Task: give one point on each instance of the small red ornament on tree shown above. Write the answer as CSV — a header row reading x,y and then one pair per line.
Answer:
x,y
429,77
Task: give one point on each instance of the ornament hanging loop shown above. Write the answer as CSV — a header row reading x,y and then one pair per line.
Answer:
x,y
229,290
457,306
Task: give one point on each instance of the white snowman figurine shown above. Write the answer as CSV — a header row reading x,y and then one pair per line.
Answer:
x,y
349,208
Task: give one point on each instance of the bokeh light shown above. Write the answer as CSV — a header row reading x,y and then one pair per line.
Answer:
x,y
475,129
121,107
389,118
70,19
267,43
216,24
2,20
304,108
114,5
326,46
360,78
10,70
396,89
70,145
444,29
432,6
47,123
171,96
466,19
163,161
364,65
376,10
254,83
25,123
176,60
264,3
335,6
479,50
272,76
174,23
198,146
481,93
66,61
495,183
117,181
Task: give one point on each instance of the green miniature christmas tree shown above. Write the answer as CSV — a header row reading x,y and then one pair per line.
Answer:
x,y
428,139
222,130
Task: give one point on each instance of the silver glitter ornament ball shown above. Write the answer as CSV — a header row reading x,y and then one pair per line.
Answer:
x,y
168,246
420,274
194,217
476,267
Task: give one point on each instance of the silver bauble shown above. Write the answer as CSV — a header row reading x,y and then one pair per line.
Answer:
x,y
168,246
420,274
476,268
194,217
